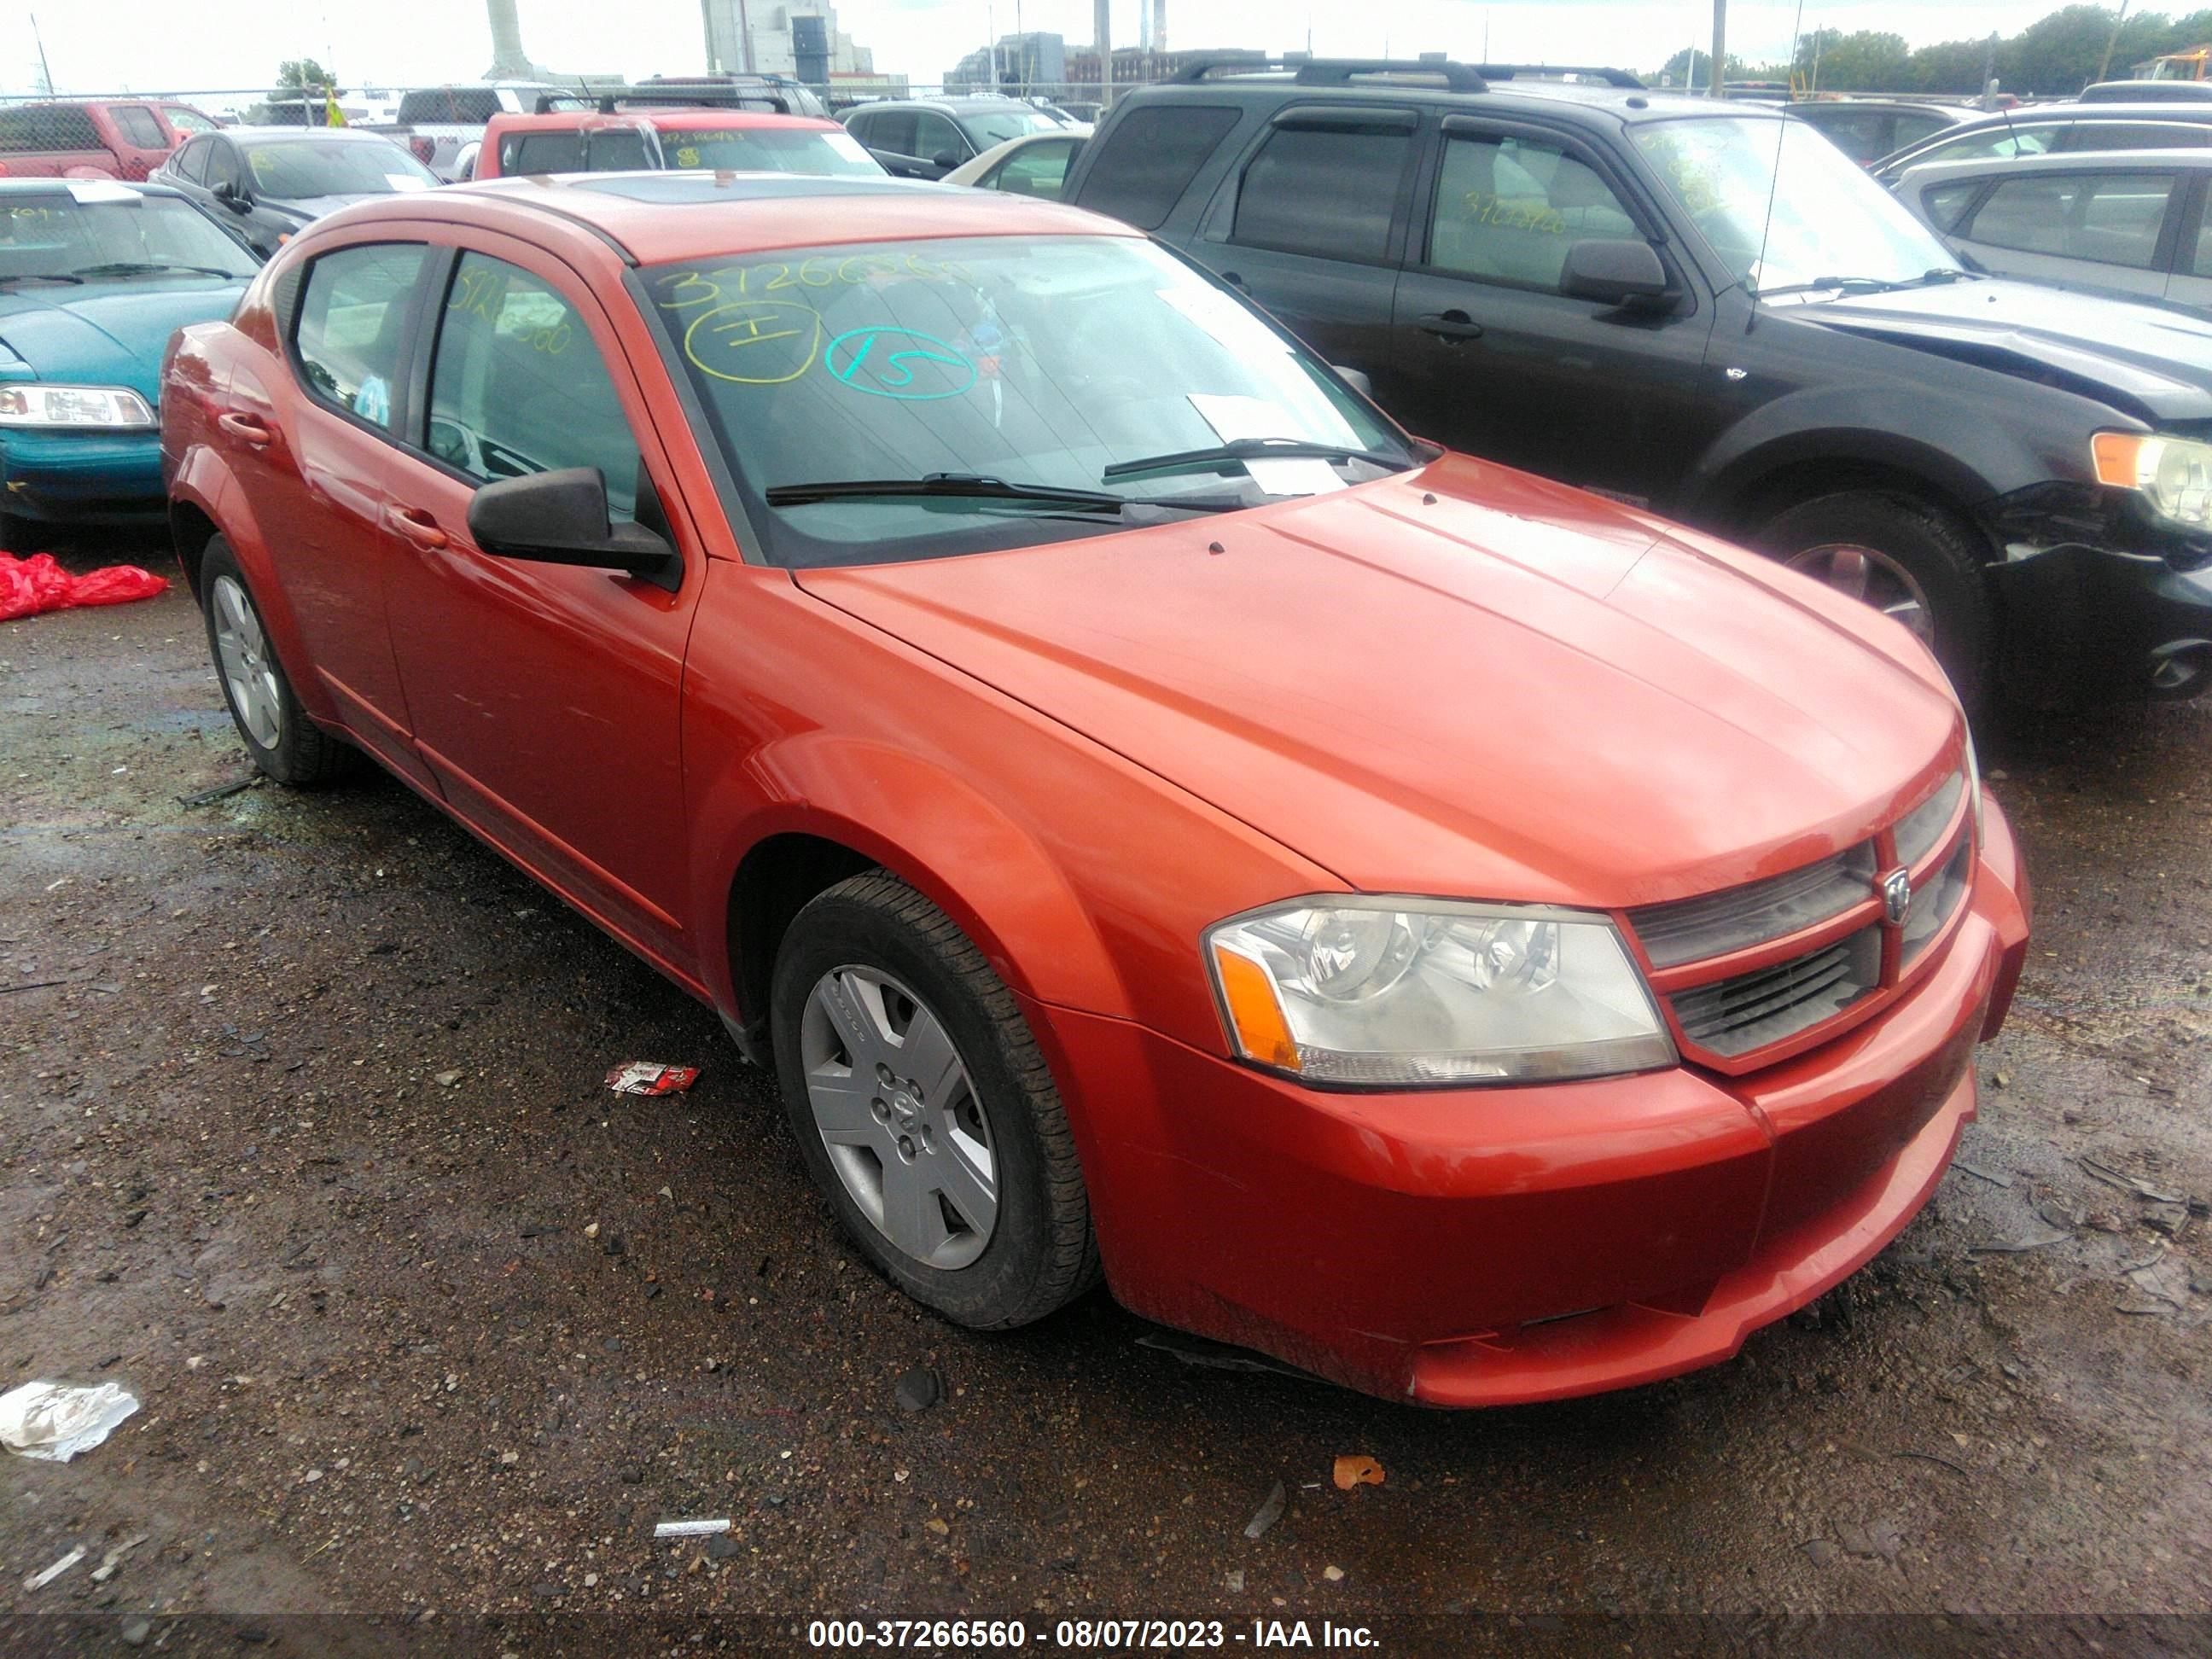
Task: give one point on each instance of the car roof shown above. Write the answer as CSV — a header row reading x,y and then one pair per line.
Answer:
x,y
978,106
652,218
1919,105
2031,113
318,135
1581,98
690,116
2068,161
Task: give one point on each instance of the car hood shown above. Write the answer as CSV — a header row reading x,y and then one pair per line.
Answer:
x,y
2154,362
109,333
307,209
1464,681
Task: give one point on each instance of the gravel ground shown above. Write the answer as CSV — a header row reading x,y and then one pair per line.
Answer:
x,y
310,1146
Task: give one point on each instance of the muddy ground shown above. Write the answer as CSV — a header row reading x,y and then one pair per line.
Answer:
x,y
407,1343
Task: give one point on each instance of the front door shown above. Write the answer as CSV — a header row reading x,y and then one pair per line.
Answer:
x,y
1493,358
544,696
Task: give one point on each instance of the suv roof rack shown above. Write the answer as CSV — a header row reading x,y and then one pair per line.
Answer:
x,y
1340,71
1612,77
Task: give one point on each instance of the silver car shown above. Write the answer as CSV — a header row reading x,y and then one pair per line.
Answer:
x,y
2132,223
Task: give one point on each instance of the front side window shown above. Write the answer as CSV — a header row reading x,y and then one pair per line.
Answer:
x,y
1038,169
1508,209
517,386
1324,191
934,137
2112,218
352,325
1151,155
137,125
1782,207
133,237
295,169
1091,364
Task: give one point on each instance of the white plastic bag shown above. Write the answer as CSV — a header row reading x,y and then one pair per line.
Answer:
x,y
56,1421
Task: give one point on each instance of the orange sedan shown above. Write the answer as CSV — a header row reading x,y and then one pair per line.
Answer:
x,y
1464,937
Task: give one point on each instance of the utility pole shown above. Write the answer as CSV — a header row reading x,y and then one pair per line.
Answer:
x,y
2105,65
1720,49
46,71
1101,25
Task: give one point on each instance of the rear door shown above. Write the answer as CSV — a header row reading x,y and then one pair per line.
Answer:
x,y
142,144
2113,231
1311,222
1492,357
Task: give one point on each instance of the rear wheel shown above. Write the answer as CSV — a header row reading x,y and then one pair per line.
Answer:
x,y
923,1109
1908,559
276,731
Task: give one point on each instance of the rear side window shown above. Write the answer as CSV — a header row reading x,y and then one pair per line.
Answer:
x,y
616,150
1911,129
1946,203
1995,141
1325,192
2132,135
1150,156
1861,134
2112,218
517,388
47,127
892,130
137,125
353,323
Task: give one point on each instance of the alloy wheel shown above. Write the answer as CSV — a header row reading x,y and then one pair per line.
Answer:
x,y
242,649
1871,576
899,1116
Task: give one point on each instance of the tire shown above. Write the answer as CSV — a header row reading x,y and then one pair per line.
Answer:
x,y
21,535
1915,544
907,1173
277,734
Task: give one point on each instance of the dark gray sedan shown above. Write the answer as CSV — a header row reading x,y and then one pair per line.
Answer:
x,y
265,182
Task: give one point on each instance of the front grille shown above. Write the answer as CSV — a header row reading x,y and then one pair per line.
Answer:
x,y
1713,924
1734,1016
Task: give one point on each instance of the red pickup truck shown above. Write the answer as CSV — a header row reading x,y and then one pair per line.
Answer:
x,y
100,138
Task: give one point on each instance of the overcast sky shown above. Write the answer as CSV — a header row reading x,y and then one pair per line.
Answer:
x,y
145,45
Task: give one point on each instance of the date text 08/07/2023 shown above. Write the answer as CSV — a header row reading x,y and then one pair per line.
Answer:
x,y
1086,1633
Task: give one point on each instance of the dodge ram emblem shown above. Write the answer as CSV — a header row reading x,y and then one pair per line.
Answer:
x,y
1897,897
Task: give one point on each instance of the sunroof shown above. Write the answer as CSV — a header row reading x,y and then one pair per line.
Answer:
x,y
683,189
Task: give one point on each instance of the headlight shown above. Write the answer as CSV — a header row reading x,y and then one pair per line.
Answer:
x,y
1974,785
1391,993
2174,475
37,404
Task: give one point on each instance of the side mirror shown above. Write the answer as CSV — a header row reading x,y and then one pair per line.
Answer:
x,y
231,196
945,161
1613,272
1357,380
561,518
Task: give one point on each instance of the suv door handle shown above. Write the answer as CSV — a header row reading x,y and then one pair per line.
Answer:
x,y
417,526
1451,325
246,429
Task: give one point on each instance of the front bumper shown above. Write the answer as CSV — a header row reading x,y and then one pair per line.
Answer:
x,y
1494,1247
82,477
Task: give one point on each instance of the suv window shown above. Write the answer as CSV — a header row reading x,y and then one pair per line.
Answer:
x,y
517,388
890,130
1911,129
449,105
2112,218
1150,157
612,150
191,160
48,127
935,136
1508,208
2132,135
1945,203
1861,134
137,125
1325,192
353,324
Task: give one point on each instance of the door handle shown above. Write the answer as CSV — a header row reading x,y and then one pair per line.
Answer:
x,y
246,429
417,526
1449,325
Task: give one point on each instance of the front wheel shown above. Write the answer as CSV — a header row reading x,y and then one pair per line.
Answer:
x,y
924,1111
1907,559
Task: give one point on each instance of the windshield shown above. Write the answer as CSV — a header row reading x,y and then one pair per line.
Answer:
x,y
131,237
768,149
999,125
291,169
1040,362
1827,217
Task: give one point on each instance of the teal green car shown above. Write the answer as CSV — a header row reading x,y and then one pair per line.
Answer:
x,y
94,277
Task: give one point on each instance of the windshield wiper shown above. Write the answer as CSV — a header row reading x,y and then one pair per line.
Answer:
x,y
1253,449
969,486
148,268
39,276
1869,284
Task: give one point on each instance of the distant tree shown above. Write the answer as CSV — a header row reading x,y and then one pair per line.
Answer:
x,y
1864,61
1692,68
302,72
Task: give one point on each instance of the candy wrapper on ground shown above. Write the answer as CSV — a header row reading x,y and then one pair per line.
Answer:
x,y
646,1077
30,586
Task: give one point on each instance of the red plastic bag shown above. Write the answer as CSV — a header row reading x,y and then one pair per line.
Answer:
x,y
30,586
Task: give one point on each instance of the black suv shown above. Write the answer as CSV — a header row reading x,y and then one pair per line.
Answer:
x,y
1708,310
